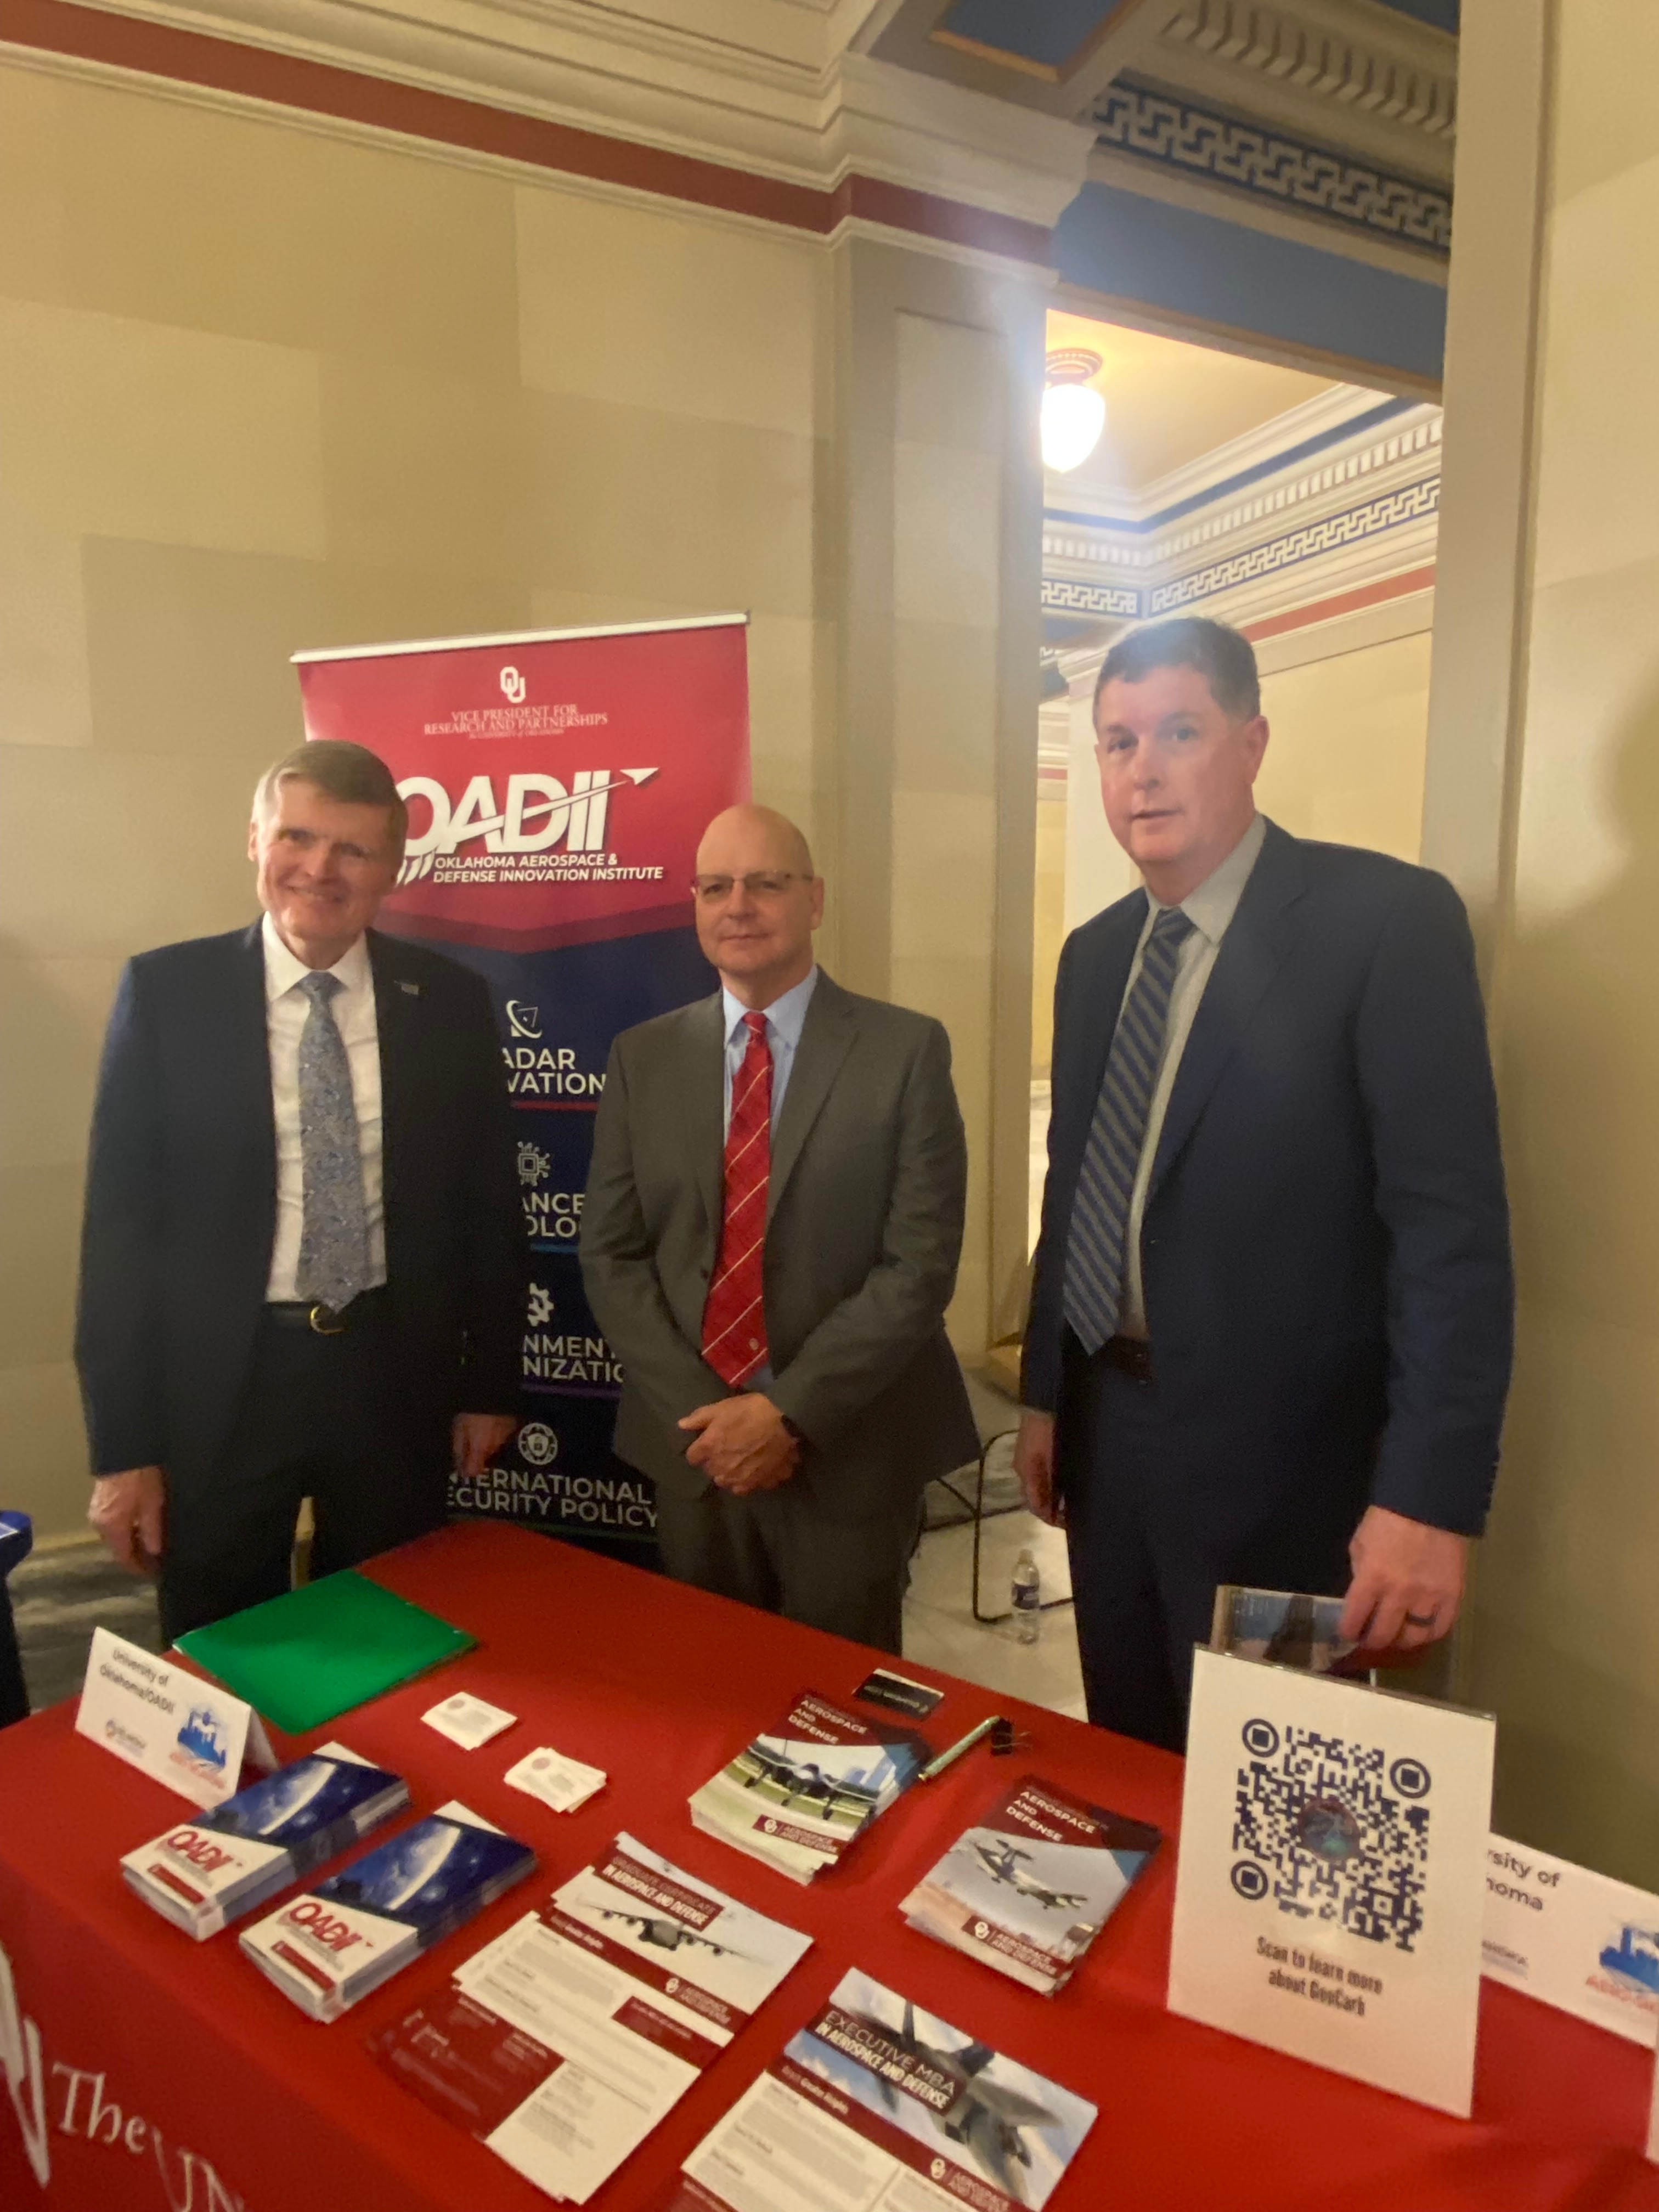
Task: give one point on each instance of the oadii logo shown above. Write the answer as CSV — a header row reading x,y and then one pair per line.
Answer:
x,y
536,813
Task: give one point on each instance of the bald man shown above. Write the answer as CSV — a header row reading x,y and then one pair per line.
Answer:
x,y
769,1241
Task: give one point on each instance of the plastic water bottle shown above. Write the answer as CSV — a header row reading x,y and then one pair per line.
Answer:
x,y
1027,1597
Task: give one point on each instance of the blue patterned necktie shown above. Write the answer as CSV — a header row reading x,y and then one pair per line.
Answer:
x,y
1100,1210
334,1236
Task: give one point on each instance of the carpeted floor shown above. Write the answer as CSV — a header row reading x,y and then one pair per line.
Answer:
x,y
59,1597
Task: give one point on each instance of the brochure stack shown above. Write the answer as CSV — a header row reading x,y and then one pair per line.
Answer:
x,y
796,1796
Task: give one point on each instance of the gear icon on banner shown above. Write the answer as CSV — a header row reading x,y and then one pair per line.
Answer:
x,y
541,1306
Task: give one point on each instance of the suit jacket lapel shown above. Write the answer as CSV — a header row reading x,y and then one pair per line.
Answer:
x,y
247,1062
396,1010
704,1052
1258,938
826,1038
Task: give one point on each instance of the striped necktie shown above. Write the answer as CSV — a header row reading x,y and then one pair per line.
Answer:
x,y
734,1316
1111,1158
334,1230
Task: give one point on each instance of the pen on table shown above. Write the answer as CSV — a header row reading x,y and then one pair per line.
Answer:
x,y
949,1758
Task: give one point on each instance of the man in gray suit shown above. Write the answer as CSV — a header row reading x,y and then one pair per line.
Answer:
x,y
769,1240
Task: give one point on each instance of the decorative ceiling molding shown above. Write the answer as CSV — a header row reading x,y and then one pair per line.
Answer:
x,y
701,97
1366,509
1383,87
1175,135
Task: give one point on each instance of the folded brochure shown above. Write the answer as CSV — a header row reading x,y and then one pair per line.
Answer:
x,y
880,2106
1029,1888
564,2042
331,1946
797,1796
221,1865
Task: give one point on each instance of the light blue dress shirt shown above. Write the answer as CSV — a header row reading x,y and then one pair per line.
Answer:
x,y
786,1018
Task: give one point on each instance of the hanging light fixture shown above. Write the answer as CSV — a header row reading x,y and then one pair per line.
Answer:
x,y
1074,412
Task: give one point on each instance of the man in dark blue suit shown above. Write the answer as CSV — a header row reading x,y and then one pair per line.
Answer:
x,y
1270,1331
302,1270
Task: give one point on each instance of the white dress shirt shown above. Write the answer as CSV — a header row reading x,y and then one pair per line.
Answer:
x,y
1210,908
785,1020
287,1007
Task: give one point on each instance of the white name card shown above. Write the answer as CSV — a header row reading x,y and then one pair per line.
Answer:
x,y
1576,1939
1332,1875
169,1723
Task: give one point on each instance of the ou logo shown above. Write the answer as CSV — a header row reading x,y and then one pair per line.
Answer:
x,y
537,1445
24,2075
513,685
982,1929
938,2169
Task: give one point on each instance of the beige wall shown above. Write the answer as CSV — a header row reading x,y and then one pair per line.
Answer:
x,y
264,387
1544,798
1345,759
1049,918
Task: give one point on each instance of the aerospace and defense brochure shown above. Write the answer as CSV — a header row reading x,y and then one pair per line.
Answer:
x,y
564,2042
221,1865
333,1944
796,1796
1287,1628
879,2106
1030,1888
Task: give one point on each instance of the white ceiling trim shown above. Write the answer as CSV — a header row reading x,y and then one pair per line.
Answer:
x,y
656,85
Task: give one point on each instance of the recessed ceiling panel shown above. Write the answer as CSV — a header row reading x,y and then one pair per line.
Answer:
x,y
1048,39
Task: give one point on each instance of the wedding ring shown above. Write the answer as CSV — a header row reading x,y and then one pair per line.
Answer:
x,y
1420,1620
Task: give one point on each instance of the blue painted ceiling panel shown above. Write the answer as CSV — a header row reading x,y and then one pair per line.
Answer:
x,y
1050,33
1115,242
1443,13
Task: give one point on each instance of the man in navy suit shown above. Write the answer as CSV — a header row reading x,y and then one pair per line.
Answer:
x,y
302,1270
1269,1340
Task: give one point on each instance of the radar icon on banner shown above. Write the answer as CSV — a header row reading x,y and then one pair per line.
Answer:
x,y
537,1445
524,1021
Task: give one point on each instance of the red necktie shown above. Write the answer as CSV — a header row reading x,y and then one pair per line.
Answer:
x,y
734,1318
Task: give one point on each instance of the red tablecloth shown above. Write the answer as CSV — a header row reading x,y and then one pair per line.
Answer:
x,y
174,2077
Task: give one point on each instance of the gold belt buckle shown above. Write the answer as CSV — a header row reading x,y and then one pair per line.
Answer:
x,y
319,1317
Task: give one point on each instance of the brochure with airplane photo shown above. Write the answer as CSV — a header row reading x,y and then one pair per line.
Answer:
x,y
1029,1888
562,2044
798,1795
877,2104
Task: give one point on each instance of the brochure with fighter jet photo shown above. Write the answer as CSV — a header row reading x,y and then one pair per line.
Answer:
x,y
334,1944
796,1796
879,2106
563,2043
1031,1887
223,1863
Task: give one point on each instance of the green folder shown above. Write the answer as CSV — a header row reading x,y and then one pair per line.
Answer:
x,y
305,1658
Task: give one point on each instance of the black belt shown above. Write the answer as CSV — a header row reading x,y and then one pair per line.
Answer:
x,y
323,1320
1133,1355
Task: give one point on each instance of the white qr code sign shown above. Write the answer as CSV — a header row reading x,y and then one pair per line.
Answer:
x,y
1331,1882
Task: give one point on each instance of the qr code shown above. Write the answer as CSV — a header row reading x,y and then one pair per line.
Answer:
x,y
1333,1830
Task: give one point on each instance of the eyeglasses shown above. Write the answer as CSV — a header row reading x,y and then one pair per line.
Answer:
x,y
770,884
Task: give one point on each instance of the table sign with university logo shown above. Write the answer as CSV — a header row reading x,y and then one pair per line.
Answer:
x,y
169,1723
1572,1938
1331,1884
